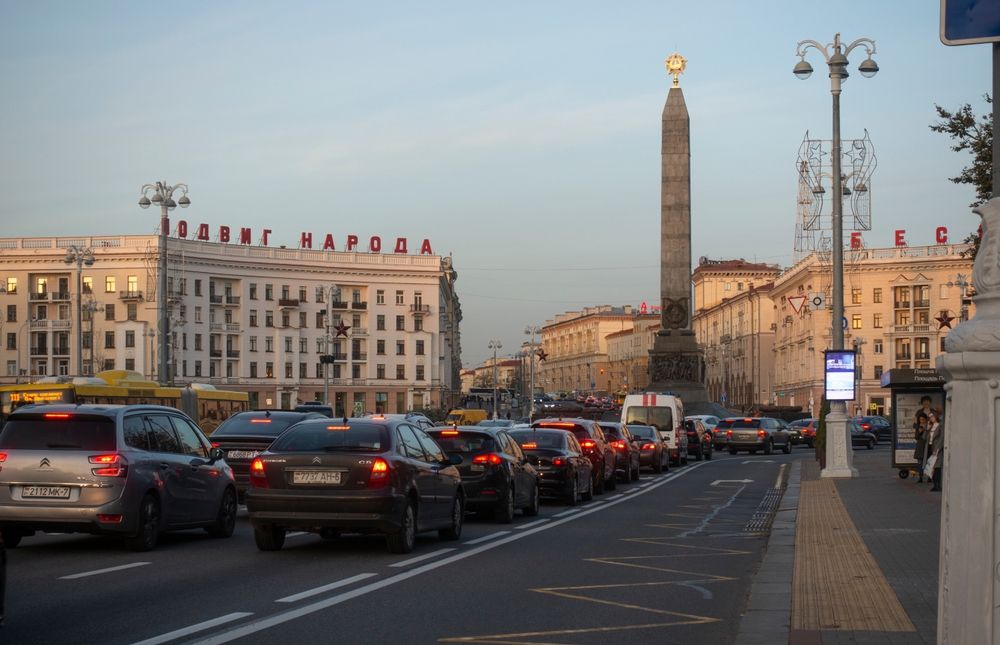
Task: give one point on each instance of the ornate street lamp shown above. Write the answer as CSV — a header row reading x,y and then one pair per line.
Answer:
x,y
81,257
495,345
163,194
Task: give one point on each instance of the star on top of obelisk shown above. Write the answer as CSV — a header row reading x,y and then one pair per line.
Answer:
x,y
675,66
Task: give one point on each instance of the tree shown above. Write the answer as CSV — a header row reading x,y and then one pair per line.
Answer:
x,y
974,134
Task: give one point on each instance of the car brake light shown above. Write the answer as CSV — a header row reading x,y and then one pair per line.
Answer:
x,y
558,461
620,445
529,446
588,444
260,421
3,458
113,465
449,433
338,427
490,458
729,433
761,433
109,519
215,444
56,415
379,475
258,476
556,424
649,446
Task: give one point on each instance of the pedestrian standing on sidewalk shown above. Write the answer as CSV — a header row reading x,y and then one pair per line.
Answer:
x,y
920,451
936,438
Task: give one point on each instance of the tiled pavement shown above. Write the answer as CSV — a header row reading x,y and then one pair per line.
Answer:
x,y
873,535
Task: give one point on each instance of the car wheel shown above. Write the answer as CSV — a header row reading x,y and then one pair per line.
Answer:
x,y
454,531
11,538
572,490
531,510
769,447
787,448
612,482
269,538
708,455
149,525
225,523
700,454
658,465
504,510
588,494
871,444
635,473
597,483
403,540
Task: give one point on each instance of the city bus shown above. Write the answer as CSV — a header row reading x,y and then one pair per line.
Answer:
x,y
202,402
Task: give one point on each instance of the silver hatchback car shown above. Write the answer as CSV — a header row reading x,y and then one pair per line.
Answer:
x,y
127,470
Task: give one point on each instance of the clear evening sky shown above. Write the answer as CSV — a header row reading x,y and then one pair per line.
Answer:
x,y
523,138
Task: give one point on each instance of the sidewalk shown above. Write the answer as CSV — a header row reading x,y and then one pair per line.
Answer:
x,y
865,560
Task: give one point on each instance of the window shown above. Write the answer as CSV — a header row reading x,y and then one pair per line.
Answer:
x,y
399,297
253,317
197,342
877,295
109,364
320,346
410,444
197,368
109,340
87,337
319,370
380,347
109,312
12,285
253,290
131,311
88,284
197,314
418,299
268,344
320,317
380,370
877,346
286,292
418,324
253,370
269,318
400,348
269,369
903,317
129,339
109,284
355,371
901,297
420,373
288,344
253,343
320,294
11,313
130,364
420,348
380,296
739,286
356,320
42,313
197,287
288,370
11,340
132,283
303,320
400,323
286,320
268,292
303,345
380,322
856,321
302,370
302,294
878,371
728,286
877,321
855,296
356,295
401,372
943,291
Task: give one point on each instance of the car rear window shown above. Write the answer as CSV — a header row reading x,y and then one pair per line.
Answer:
x,y
613,432
333,436
272,425
741,423
661,417
463,442
534,439
73,432
579,431
801,423
642,432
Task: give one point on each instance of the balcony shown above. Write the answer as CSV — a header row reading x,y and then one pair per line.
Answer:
x,y
288,302
232,300
339,357
40,350
903,356
232,354
360,356
922,356
337,304
901,304
214,299
60,295
230,327
359,331
901,329
360,304
921,328
420,310
130,295
215,353
39,297
60,350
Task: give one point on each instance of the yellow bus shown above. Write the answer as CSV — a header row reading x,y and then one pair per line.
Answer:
x,y
202,402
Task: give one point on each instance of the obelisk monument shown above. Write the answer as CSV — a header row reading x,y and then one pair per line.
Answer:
x,y
675,362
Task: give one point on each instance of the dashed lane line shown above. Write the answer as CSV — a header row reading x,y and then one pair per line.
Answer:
x,y
486,538
97,572
329,587
421,558
531,524
194,629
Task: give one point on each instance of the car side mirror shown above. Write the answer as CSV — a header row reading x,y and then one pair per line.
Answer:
x,y
454,459
215,454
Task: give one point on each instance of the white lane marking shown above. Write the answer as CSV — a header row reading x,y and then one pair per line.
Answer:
x,y
330,587
619,495
781,475
487,538
421,558
251,629
758,461
631,490
731,481
296,534
531,524
185,631
98,572
711,516
572,511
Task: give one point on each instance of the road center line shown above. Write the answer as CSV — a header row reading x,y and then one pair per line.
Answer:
x,y
531,524
572,511
421,558
256,626
184,631
98,572
487,538
330,587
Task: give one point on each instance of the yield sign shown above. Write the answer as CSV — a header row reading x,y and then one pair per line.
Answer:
x,y
797,302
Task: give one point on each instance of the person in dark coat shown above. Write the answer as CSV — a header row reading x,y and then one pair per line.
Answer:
x,y
936,437
920,451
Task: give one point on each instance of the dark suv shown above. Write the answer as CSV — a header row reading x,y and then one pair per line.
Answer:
x,y
699,439
755,433
595,446
245,435
126,470
878,426
626,453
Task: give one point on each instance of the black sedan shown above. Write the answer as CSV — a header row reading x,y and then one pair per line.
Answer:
x,y
626,454
245,435
563,469
496,474
355,475
699,439
652,451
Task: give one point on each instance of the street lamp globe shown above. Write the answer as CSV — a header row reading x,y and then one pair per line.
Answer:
x,y
144,202
803,70
868,68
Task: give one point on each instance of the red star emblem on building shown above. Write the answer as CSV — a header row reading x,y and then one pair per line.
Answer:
x,y
341,328
944,319
541,354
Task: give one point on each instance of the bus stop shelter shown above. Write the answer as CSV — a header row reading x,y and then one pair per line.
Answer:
x,y
908,388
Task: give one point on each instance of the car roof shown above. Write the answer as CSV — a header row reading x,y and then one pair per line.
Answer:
x,y
99,409
490,430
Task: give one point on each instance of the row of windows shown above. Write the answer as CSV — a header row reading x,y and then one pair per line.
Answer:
x,y
319,372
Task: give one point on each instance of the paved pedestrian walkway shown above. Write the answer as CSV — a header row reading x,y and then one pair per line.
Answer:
x,y
865,561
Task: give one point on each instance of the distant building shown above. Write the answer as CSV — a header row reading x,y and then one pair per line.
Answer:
x,y
576,347
628,354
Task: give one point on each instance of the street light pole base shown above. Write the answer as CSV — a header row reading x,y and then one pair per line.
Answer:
x,y
839,454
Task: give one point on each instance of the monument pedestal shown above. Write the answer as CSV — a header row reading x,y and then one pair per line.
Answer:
x,y
676,365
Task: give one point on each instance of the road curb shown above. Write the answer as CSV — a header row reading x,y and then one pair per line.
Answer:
x,y
767,619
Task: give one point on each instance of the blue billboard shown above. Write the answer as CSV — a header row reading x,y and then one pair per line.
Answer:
x,y
965,22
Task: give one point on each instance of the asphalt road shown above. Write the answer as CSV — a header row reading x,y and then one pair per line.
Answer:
x,y
667,559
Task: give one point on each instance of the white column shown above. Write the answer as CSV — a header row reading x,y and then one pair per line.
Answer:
x,y
969,580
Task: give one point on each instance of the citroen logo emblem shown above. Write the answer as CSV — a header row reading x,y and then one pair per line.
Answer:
x,y
44,463
316,460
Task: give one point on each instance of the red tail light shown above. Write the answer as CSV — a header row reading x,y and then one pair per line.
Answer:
x,y
3,458
649,446
258,476
762,433
620,445
558,461
112,465
56,415
490,458
215,444
588,444
729,433
380,473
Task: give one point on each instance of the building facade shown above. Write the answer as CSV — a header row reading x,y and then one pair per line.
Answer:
x,y
628,354
249,318
576,348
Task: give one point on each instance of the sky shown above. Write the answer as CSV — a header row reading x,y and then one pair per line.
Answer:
x,y
522,138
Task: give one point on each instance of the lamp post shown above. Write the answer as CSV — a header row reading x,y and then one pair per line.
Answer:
x,y
495,345
531,330
327,341
962,282
23,326
91,307
80,257
838,451
163,194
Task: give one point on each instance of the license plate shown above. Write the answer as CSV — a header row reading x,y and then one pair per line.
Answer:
x,y
746,436
241,454
56,492
316,477
477,467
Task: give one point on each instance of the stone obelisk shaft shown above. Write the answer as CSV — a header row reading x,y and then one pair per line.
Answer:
x,y
675,216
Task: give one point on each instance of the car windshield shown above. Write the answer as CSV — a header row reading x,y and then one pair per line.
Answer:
x,y
333,436
251,424
538,439
642,432
463,442
70,432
